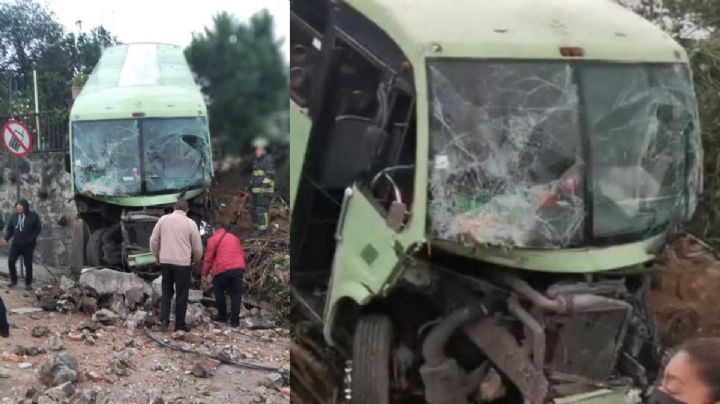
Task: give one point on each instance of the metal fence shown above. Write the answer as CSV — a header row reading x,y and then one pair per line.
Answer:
x,y
49,129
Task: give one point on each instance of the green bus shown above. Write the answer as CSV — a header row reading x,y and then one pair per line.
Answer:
x,y
139,141
479,190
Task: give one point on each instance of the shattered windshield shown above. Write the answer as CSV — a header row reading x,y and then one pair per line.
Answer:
x,y
508,162
107,157
175,153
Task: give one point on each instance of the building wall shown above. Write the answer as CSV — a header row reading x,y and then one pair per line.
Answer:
x,y
46,185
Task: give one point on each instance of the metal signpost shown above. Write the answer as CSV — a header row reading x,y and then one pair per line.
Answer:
x,y
17,139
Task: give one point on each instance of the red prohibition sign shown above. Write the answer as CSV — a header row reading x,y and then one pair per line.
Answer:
x,y
16,138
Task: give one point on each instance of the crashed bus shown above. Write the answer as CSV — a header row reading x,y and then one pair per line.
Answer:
x,y
139,141
479,192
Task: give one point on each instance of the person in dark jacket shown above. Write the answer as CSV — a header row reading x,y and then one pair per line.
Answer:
x,y
262,186
23,228
225,259
4,326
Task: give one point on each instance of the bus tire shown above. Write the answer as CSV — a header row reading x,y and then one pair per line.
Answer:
x,y
93,249
372,344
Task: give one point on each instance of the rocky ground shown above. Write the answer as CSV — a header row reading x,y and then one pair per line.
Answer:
x,y
93,350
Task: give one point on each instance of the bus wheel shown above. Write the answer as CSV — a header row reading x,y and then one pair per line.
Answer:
x,y
93,249
372,344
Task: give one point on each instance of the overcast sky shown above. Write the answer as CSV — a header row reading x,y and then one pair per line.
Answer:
x,y
170,21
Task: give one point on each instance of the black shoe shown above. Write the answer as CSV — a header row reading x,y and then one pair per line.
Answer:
x,y
235,324
163,326
5,334
11,285
219,319
185,328
28,287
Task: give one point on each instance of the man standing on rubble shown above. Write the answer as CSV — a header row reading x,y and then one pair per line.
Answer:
x,y
262,186
23,228
225,259
175,242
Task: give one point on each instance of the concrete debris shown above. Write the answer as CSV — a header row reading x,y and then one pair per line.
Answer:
x,y
4,373
93,326
29,351
195,296
105,316
179,335
25,310
201,369
58,394
116,303
195,314
140,316
87,396
106,281
134,297
48,297
39,332
120,364
59,369
259,323
272,380
65,306
25,365
55,344
66,283
88,337
89,304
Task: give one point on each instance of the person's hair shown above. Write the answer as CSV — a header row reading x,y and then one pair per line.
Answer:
x,y
705,354
218,224
181,204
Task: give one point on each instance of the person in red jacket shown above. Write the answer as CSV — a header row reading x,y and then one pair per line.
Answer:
x,y
225,259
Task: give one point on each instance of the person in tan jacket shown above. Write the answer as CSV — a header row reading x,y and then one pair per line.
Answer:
x,y
175,242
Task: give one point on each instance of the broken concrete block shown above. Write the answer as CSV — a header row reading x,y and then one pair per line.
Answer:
x,y
272,380
120,364
39,332
25,365
65,306
201,369
29,351
140,316
195,296
105,316
107,281
55,344
87,396
116,303
134,297
66,283
61,392
89,305
195,314
59,369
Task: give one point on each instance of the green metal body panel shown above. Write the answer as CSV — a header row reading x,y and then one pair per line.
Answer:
x,y
604,396
517,29
151,78
139,260
151,200
300,132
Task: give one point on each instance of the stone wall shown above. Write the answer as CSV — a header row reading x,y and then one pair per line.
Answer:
x,y
46,185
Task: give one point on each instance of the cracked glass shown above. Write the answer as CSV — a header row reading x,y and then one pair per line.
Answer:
x,y
508,141
107,158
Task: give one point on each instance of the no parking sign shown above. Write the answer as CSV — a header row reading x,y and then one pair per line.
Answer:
x,y
16,138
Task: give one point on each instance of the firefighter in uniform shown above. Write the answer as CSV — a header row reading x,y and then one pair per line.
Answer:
x,y
262,186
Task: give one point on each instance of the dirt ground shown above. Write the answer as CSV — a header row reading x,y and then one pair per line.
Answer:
x,y
686,293
155,371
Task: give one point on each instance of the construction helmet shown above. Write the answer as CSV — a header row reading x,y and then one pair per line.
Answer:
x,y
260,142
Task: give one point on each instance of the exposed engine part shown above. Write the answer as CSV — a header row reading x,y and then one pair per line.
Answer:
x,y
492,387
347,380
403,359
443,379
502,349
536,330
615,288
418,274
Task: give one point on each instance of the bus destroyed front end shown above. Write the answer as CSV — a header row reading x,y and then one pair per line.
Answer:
x,y
128,173
571,172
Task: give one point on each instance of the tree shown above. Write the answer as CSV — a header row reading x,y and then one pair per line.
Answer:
x,y
243,75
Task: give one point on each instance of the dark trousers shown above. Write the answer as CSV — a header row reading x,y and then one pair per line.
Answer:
x,y
232,282
259,207
4,326
175,280
26,252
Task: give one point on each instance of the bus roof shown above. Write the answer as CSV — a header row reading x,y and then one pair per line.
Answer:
x,y
150,78
521,29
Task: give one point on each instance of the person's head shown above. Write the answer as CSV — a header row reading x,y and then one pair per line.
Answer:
x,y
217,225
182,205
260,145
21,206
693,374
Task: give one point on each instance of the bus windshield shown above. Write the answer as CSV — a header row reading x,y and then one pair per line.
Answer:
x,y
138,157
555,154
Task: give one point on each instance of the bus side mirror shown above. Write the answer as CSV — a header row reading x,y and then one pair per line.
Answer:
x,y
67,162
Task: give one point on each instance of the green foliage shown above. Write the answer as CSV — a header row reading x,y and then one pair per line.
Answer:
x,y
32,38
242,73
79,80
